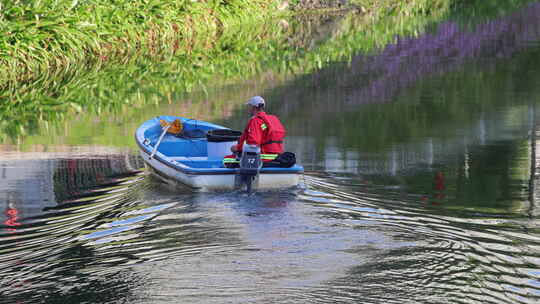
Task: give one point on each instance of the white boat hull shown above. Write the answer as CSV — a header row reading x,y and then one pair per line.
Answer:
x,y
216,182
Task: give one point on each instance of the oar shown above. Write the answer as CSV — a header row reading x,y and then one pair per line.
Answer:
x,y
159,140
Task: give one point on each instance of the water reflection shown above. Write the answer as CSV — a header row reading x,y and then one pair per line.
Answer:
x,y
488,165
468,256
395,97
105,217
342,237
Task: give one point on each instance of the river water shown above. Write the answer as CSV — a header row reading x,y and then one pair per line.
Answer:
x,y
420,187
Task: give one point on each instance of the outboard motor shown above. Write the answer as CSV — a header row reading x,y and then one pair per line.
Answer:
x,y
250,164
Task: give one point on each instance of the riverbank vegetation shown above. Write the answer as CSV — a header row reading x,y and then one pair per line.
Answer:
x,y
66,58
47,39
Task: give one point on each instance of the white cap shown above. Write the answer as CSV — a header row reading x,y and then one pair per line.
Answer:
x,y
255,101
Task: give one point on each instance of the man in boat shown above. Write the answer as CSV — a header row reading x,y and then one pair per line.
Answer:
x,y
262,130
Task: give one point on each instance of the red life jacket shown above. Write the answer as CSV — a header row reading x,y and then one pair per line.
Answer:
x,y
272,141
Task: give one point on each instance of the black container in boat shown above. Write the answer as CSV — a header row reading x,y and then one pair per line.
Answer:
x,y
223,135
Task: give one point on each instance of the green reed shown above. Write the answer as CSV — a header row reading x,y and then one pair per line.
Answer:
x,y
44,40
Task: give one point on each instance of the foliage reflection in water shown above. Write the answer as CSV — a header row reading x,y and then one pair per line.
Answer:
x,y
464,256
340,238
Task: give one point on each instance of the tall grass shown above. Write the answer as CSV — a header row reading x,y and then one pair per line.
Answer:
x,y
45,40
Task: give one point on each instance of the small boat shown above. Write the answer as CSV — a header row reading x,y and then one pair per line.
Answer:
x,y
194,159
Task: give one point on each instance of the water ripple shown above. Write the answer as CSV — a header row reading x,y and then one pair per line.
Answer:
x,y
468,257
94,233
